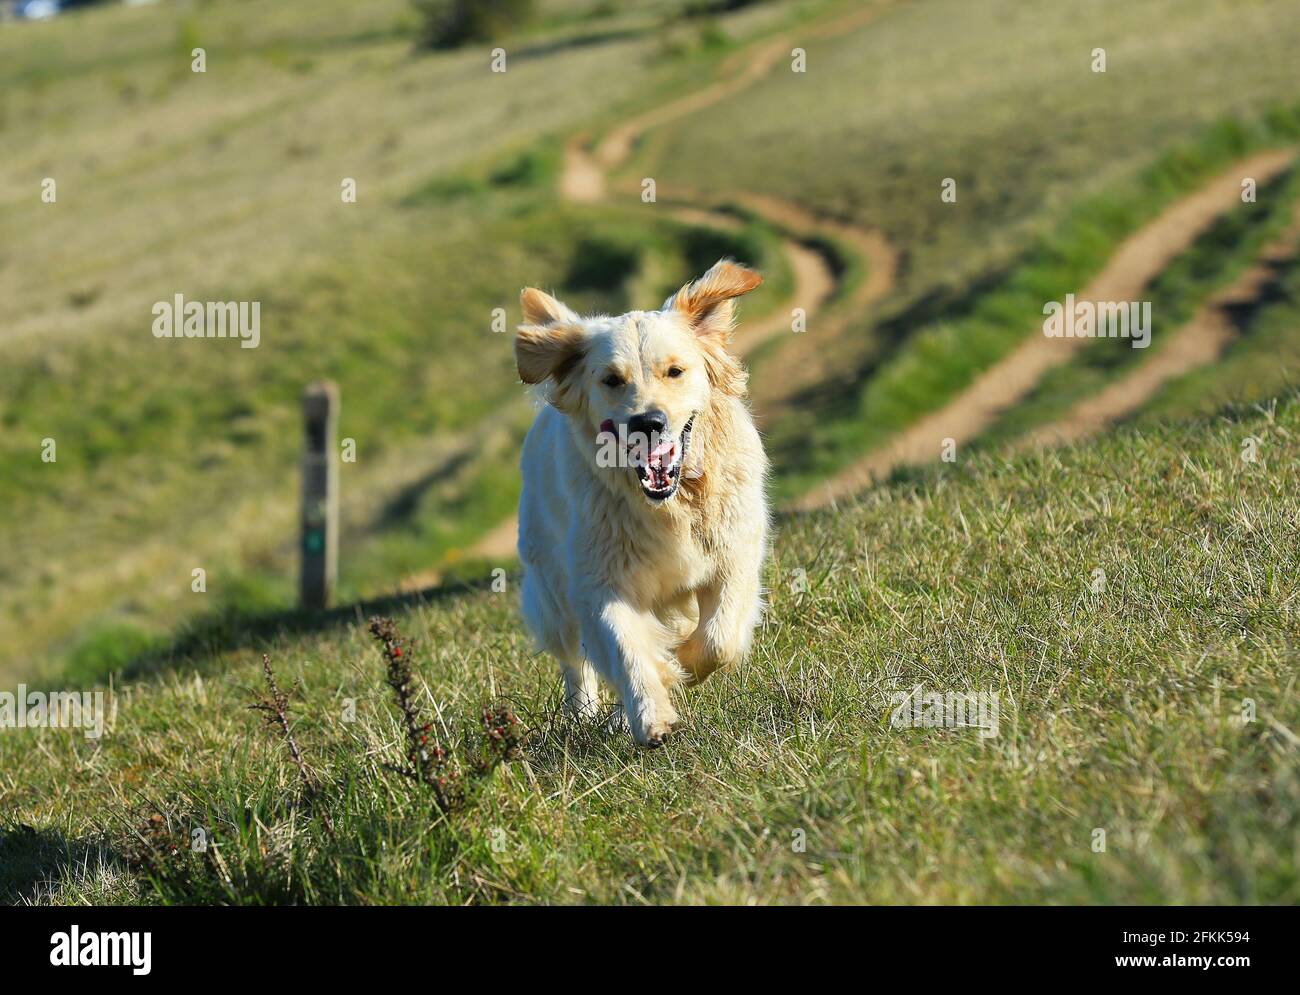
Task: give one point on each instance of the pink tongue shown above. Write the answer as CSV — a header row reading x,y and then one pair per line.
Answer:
x,y
660,451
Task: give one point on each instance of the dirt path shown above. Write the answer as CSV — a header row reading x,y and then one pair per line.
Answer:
x,y
742,70
803,362
1199,342
814,281
585,179
1139,259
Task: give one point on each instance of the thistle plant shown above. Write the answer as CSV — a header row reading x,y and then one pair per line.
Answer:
x,y
429,762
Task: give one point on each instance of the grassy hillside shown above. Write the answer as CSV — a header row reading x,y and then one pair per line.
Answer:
x,y
1001,97
1054,164
1121,708
943,345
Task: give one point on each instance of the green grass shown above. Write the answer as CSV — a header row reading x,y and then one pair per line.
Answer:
x,y
1120,709
934,362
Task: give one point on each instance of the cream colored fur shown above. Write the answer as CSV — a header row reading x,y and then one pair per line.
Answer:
x,y
641,594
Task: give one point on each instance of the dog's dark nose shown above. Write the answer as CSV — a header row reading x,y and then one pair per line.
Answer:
x,y
651,423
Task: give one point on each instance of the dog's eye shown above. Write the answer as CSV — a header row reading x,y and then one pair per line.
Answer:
x,y
613,380
675,371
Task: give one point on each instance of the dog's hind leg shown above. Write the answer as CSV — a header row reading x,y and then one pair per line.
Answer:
x,y
581,689
558,635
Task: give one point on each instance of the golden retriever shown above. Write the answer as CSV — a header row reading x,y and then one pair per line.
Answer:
x,y
643,520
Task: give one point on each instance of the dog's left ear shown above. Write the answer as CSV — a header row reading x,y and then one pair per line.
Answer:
x,y
546,352
707,307
706,304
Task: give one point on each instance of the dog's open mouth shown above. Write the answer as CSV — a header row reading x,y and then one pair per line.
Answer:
x,y
661,472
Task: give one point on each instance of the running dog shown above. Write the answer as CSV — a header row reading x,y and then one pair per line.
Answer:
x,y
643,520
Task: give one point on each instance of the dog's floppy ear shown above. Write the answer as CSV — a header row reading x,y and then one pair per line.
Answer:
x,y
547,351
542,309
550,341
707,307
706,304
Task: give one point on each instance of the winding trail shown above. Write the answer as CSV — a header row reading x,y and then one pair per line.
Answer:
x,y
1199,342
1137,261
585,179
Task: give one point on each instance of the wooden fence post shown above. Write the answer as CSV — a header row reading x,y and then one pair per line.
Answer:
x,y
320,497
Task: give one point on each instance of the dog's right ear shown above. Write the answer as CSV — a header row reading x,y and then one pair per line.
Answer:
x,y
542,309
550,341
547,351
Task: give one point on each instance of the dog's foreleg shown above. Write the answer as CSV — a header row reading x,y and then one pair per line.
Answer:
x,y
557,634
626,648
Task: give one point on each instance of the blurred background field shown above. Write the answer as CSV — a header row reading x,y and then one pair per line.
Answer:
x,y
225,185
176,457
171,455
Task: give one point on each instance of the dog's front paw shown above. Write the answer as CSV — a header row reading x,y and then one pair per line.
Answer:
x,y
700,656
652,736
657,736
651,726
